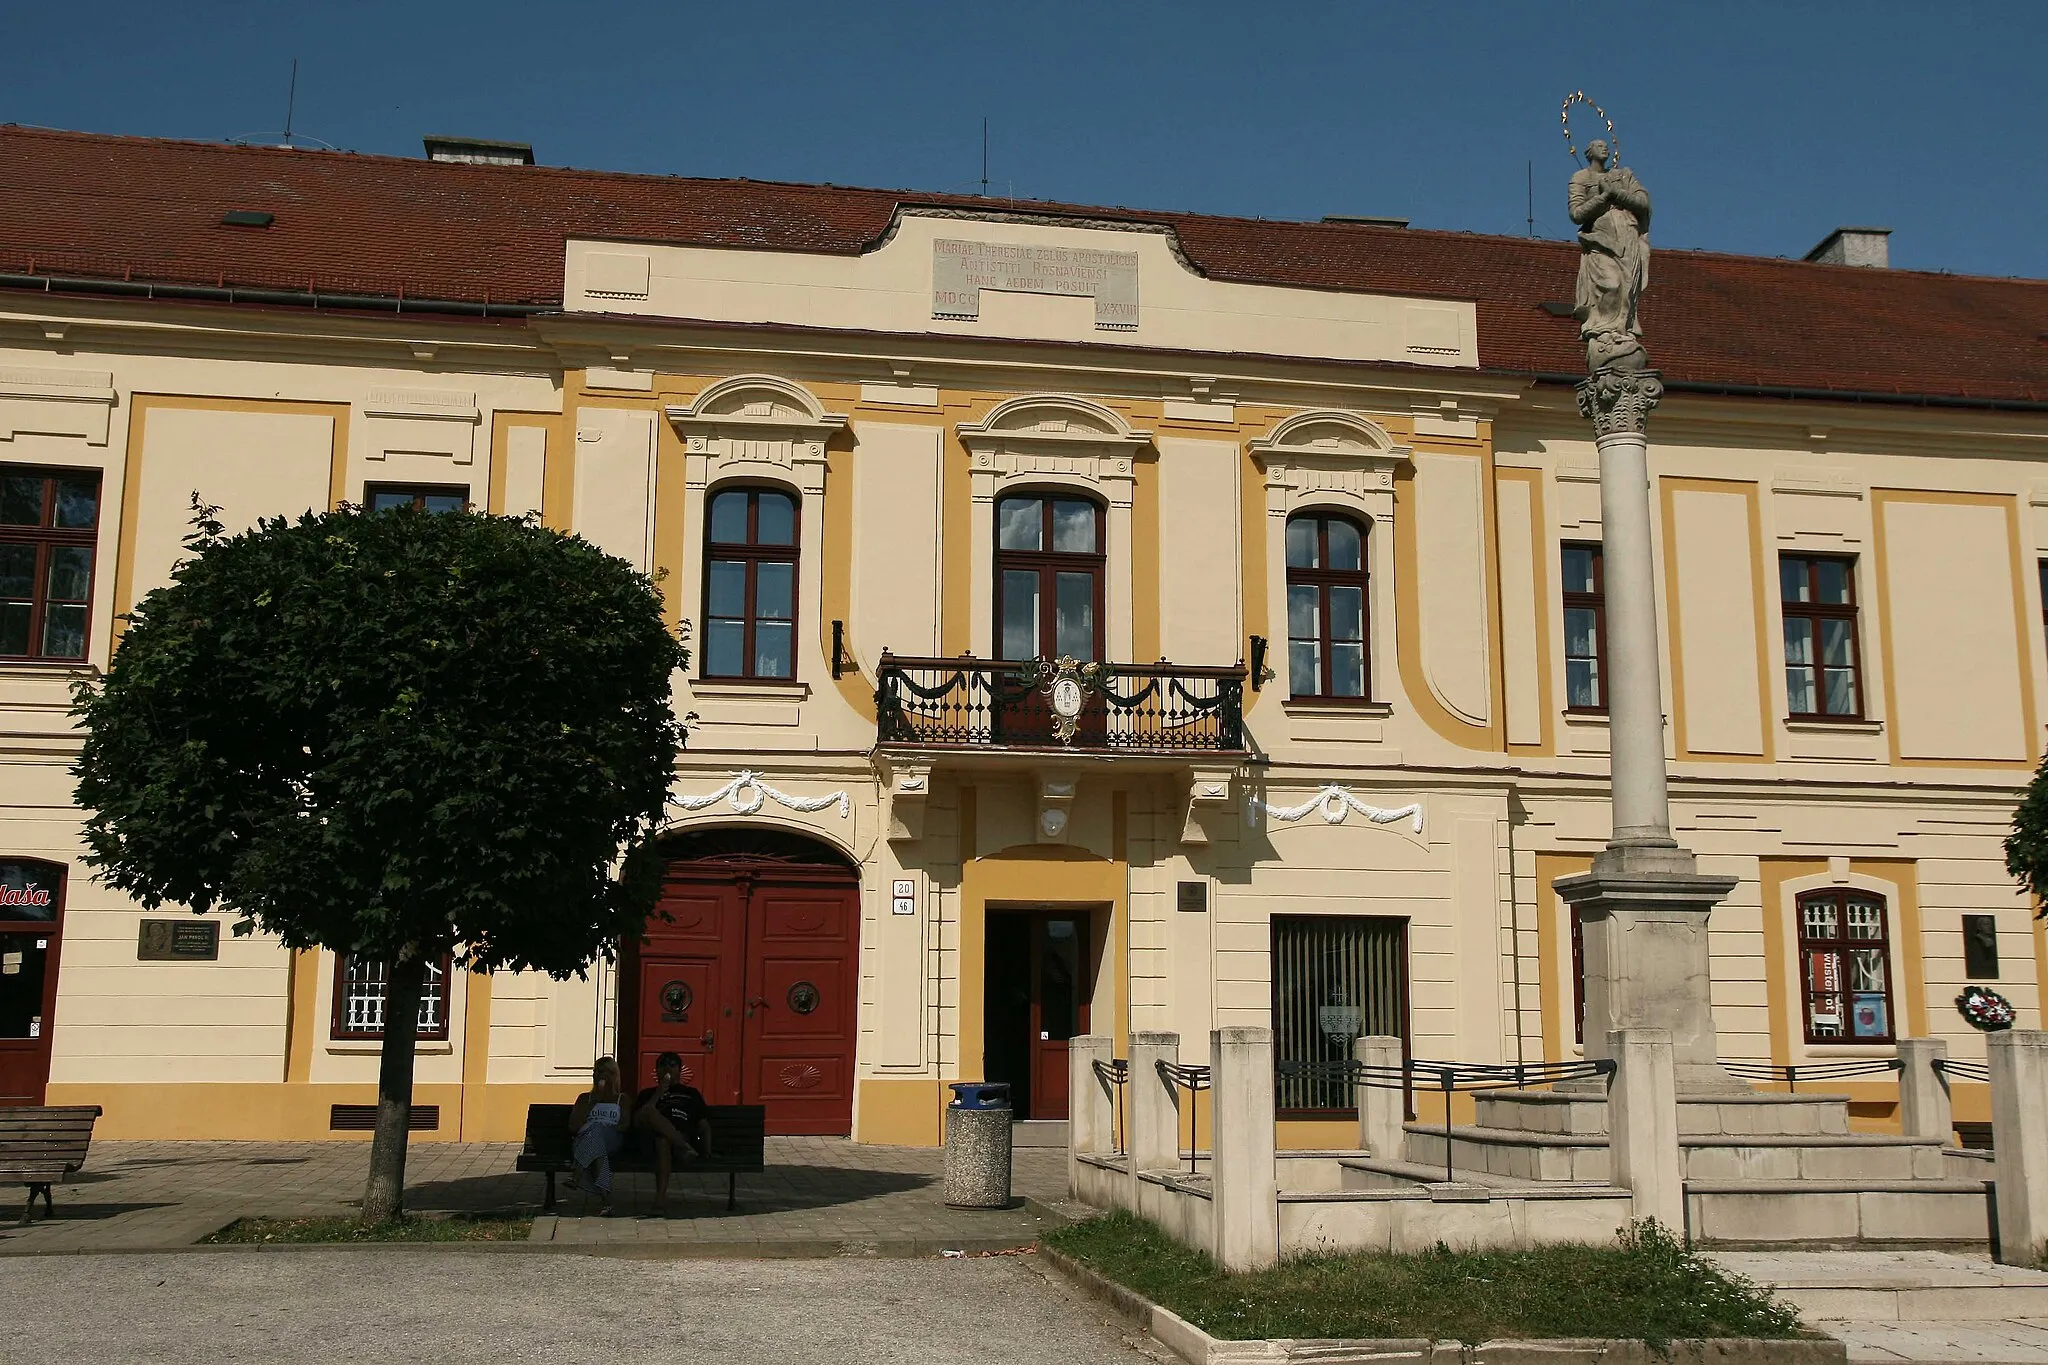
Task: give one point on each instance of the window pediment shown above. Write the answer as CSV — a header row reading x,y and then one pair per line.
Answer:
x,y
755,420
1062,437
1328,451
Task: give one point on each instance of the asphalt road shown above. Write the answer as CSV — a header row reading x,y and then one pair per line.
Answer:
x,y
353,1304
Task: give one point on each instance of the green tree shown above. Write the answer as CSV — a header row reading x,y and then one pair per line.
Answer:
x,y
2026,848
393,734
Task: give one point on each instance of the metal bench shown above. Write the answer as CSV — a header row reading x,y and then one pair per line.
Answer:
x,y
738,1147
42,1147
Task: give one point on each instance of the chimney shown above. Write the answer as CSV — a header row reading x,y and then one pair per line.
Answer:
x,y
478,151
1854,246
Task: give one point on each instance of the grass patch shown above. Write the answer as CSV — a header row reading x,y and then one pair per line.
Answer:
x,y
1647,1287
290,1231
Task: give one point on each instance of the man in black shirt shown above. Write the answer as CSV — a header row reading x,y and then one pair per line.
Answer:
x,y
674,1118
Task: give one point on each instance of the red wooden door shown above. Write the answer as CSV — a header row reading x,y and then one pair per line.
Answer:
x,y
802,993
689,987
1059,1007
753,979
31,921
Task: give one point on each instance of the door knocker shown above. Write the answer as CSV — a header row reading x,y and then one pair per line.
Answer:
x,y
803,997
676,998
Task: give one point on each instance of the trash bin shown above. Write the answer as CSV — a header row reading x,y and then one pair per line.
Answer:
x,y
978,1146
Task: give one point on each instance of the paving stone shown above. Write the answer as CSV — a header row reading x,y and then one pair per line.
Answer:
x,y
818,1194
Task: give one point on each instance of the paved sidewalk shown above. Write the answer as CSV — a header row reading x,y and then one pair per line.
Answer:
x,y
345,1305
819,1196
1922,1307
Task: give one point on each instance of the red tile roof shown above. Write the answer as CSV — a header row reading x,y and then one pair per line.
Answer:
x,y
150,209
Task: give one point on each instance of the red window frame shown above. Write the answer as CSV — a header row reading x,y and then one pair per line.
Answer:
x,y
1049,564
1595,602
1322,580
752,554
1828,978
47,538
438,991
1816,613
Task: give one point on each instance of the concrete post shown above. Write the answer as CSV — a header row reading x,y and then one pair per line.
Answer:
x,y
2019,1142
1382,1112
1091,1105
1151,1108
1244,1185
1923,1092
1644,905
1642,1125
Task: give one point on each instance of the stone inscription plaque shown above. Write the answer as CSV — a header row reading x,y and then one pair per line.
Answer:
x,y
178,940
961,270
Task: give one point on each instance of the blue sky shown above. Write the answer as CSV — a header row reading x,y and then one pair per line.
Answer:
x,y
1757,127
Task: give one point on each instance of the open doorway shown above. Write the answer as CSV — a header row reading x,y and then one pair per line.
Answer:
x,y
1038,978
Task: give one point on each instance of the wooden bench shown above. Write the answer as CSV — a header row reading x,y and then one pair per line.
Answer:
x,y
738,1147
42,1147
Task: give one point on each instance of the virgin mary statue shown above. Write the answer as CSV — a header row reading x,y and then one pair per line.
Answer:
x,y
1612,210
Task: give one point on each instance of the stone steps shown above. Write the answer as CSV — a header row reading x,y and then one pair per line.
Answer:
x,y
1848,1213
1580,1156
1922,1307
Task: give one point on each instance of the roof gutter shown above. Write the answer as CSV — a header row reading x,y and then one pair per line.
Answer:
x,y
1917,400
290,298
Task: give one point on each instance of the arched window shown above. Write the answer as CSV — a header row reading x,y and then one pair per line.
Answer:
x,y
1326,606
1049,574
1845,966
750,584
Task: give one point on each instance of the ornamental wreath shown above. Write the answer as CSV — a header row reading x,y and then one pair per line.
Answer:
x,y
1985,1009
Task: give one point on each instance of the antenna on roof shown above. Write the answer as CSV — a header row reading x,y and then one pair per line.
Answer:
x,y
1532,197
984,156
285,138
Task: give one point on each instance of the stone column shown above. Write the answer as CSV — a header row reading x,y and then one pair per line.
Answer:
x,y
1244,1184
1091,1105
1644,905
1923,1092
1642,1125
2019,1141
1382,1112
1151,1108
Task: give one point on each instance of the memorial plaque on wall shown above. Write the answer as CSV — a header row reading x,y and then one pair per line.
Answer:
x,y
1193,897
961,270
178,940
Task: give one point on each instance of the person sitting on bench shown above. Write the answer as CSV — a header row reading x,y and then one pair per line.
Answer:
x,y
671,1117
599,1122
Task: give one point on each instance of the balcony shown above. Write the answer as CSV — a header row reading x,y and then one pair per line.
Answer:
x,y
1060,706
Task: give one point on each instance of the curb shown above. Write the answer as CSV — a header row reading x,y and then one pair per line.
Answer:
x,y
1197,1347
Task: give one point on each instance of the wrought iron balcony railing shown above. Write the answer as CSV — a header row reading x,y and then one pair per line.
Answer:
x,y
1060,704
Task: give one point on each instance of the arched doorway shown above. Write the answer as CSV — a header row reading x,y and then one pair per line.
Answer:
x,y
749,968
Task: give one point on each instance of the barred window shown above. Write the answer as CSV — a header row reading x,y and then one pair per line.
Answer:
x,y
1336,978
1845,957
359,985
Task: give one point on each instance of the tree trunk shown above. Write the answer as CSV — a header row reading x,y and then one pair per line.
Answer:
x,y
384,1197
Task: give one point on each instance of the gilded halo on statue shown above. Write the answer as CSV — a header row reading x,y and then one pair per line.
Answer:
x,y
1564,116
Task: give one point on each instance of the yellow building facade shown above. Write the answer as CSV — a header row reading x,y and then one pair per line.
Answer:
x,y
885,491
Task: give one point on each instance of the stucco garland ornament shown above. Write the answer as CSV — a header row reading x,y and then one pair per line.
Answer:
x,y
748,793
1985,1009
1333,803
